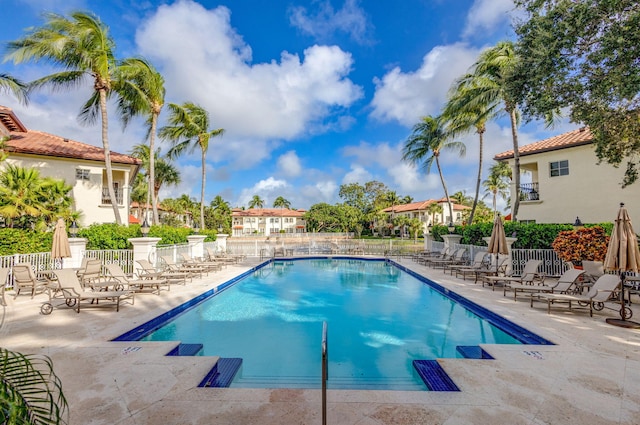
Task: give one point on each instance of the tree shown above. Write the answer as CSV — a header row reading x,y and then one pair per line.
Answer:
x,y
82,46
219,214
30,393
165,172
14,86
142,92
256,202
188,128
496,183
464,112
583,56
140,192
490,84
433,209
322,217
281,203
461,198
425,144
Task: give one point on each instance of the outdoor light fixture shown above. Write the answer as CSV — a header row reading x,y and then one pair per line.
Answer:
x,y
451,227
196,227
220,229
577,224
144,228
73,229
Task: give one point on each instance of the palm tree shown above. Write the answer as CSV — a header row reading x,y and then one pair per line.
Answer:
x,y
189,128
496,183
82,46
142,92
433,209
14,86
489,85
256,202
281,203
427,141
463,112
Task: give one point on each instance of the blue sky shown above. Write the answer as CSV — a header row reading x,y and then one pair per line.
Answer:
x,y
311,94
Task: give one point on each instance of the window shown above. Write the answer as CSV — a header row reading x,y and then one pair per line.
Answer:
x,y
559,168
82,174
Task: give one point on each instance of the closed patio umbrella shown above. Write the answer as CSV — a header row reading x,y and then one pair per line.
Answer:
x,y
60,246
623,254
498,241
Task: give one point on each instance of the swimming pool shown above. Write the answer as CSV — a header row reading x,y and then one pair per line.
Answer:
x,y
380,318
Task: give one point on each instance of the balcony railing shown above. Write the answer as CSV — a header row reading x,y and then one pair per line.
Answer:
x,y
529,192
105,196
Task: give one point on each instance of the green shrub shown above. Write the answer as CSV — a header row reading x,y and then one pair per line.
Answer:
x,y
23,241
109,235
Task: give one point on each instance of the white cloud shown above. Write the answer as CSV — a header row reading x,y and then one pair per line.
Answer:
x,y
325,21
289,164
358,174
486,15
405,97
265,101
327,189
268,189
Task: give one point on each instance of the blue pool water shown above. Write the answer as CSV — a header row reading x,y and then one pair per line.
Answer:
x,y
380,318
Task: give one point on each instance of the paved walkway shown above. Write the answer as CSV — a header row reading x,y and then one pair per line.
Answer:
x,y
592,375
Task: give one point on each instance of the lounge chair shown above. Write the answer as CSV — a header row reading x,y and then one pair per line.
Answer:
x,y
223,257
598,294
191,270
564,283
209,266
593,269
23,277
479,261
529,276
91,273
458,257
68,287
423,257
147,271
4,274
447,255
136,285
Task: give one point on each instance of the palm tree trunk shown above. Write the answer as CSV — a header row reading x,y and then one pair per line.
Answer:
x,y
204,174
152,168
475,200
107,155
516,164
446,193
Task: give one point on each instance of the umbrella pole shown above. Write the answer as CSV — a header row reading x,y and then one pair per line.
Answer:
x,y
622,277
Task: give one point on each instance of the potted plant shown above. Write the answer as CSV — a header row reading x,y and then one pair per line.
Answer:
x,y
588,243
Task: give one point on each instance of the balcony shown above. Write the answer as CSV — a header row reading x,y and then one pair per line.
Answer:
x,y
529,192
105,196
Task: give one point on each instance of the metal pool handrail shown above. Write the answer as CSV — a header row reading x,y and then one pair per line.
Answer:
x,y
324,373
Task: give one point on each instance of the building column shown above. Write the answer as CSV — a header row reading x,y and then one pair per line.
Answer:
x,y
451,240
221,242
144,249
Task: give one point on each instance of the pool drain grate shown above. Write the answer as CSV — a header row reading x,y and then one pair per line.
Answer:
x,y
434,376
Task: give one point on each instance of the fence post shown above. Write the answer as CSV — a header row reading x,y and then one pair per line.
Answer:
x,y
144,249
77,246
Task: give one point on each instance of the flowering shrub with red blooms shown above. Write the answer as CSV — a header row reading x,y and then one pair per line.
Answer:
x,y
581,244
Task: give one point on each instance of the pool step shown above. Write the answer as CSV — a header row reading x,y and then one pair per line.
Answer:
x,y
222,373
434,376
186,350
473,352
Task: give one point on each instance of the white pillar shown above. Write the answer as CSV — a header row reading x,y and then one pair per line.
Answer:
x,y
144,249
221,242
196,245
428,238
77,247
450,240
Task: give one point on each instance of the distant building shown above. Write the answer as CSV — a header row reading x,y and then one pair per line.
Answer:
x,y
79,164
565,181
420,210
267,221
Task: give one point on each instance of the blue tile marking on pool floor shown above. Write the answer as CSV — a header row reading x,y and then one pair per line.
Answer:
x,y
186,350
222,373
434,376
473,352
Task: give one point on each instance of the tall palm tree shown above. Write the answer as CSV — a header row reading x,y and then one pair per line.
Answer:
x,y
281,203
433,209
188,128
14,86
82,46
489,85
463,113
256,202
496,183
425,144
141,90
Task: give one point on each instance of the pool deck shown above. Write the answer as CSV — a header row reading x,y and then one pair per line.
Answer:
x,y
591,375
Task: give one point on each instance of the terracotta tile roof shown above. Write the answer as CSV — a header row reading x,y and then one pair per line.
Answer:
x,y
422,205
581,136
41,143
10,121
267,212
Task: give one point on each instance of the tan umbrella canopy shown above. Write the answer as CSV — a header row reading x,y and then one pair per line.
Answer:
x,y
60,246
498,240
623,254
